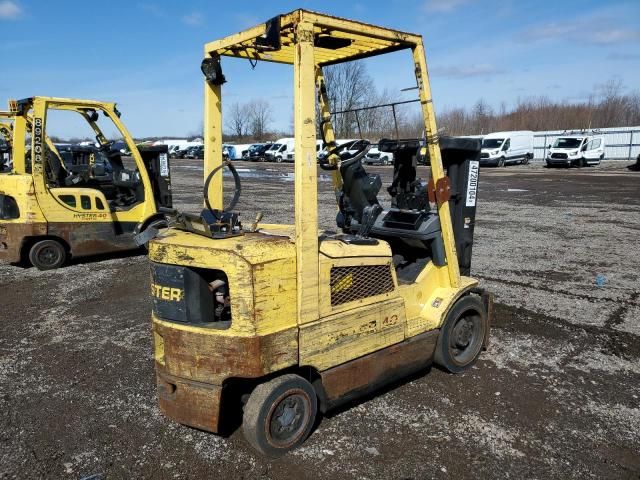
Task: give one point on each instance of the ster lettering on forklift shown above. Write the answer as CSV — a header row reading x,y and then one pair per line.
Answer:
x,y
167,293
472,185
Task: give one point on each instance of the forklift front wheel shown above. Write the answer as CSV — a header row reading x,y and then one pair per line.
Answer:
x,y
462,335
279,415
47,254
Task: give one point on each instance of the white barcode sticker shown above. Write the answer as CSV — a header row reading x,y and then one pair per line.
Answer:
x,y
472,183
164,165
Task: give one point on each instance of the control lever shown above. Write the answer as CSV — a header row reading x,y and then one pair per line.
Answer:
x,y
369,216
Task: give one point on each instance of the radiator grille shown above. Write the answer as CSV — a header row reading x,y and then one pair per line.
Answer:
x,y
354,283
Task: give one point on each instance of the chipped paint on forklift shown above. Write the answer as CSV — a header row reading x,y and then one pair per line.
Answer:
x,y
51,209
316,318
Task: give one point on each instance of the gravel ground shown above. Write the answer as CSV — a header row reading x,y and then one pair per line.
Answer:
x,y
555,396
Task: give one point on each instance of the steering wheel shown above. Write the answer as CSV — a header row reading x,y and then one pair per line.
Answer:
x,y
236,179
361,150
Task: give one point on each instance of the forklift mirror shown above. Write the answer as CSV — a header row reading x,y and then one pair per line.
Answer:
x,y
212,70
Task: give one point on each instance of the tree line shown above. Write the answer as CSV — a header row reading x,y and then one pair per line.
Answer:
x,y
350,87
607,106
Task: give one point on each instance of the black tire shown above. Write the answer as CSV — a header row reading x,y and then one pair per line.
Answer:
x,y
279,415
526,159
47,254
462,335
501,162
582,163
278,159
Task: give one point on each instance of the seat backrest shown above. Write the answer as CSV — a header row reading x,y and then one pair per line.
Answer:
x,y
359,189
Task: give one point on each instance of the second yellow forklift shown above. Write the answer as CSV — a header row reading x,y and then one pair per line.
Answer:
x,y
58,204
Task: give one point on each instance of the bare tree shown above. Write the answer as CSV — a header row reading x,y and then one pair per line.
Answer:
x,y
238,120
260,115
349,86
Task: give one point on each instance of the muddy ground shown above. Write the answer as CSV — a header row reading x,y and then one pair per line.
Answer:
x,y
556,395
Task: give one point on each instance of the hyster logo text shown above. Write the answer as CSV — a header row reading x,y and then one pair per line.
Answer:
x,y
166,293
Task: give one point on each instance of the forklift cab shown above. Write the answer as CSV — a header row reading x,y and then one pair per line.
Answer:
x,y
276,323
70,200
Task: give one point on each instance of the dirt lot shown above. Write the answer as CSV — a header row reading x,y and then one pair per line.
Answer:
x,y
557,394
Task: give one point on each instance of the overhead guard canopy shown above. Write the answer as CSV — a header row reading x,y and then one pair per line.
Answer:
x,y
336,40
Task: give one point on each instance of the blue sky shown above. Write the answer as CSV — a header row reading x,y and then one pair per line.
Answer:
x,y
146,55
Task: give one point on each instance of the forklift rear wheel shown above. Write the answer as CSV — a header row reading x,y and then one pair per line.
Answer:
x,y
47,254
462,335
279,415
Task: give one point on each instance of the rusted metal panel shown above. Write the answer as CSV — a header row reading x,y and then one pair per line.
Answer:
x,y
91,238
368,373
209,358
187,402
12,236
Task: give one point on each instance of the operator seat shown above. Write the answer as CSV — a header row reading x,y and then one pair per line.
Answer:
x,y
409,226
359,189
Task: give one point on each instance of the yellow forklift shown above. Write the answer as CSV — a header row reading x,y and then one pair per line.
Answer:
x,y
272,323
81,200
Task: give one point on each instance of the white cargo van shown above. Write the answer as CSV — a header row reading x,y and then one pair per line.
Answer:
x,y
291,157
578,150
502,148
279,150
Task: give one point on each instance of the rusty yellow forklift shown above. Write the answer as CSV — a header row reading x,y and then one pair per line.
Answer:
x,y
56,204
274,323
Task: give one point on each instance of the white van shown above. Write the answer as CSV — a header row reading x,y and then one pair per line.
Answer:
x,y
279,150
291,157
579,150
501,148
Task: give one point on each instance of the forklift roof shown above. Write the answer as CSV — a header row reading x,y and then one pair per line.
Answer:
x,y
336,40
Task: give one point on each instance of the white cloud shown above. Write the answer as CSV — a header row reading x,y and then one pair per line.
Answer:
x,y
465,71
193,18
152,9
590,29
615,35
9,10
444,6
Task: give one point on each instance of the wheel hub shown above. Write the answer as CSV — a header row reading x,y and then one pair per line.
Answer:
x,y
48,255
462,333
287,418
